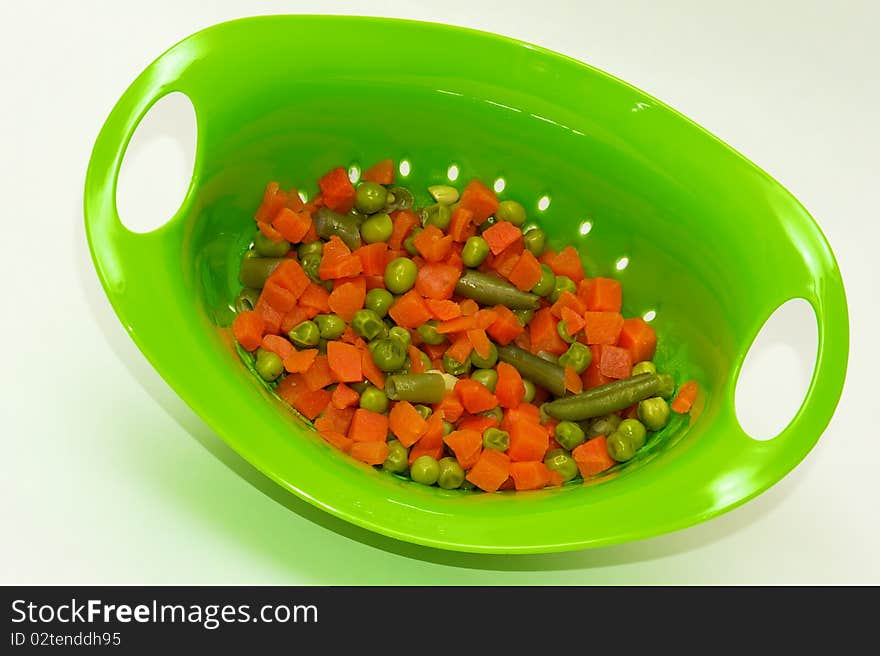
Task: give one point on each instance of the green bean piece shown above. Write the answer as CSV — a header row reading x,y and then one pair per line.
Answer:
x,y
512,212
346,227
248,254
547,282
454,367
400,275
488,378
255,270
268,365
310,248
530,390
496,439
524,316
654,413
428,333
397,460
388,354
635,431
548,375
475,251
305,334
377,228
644,367
604,425
620,447
578,357
379,301
569,434
330,326
451,475
374,399
265,247
370,197
611,397
563,333
562,284
536,241
436,215
310,264
485,363
487,289
398,198
425,470
562,463
443,194
368,324
415,388
246,300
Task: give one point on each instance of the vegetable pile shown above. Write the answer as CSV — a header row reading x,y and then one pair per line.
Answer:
x,y
446,343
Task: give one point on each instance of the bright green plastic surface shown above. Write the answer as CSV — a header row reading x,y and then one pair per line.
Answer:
x,y
714,246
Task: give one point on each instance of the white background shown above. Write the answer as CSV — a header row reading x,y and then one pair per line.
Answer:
x,y
108,478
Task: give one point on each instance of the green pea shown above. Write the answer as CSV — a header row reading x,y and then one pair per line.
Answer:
x,y
563,333
310,248
488,378
620,447
374,399
569,434
654,413
497,413
401,335
578,357
511,211
524,316
562,463
397,459
536,241
379,301
496,439
429,335
268,365
305,334
562,284
475,251
409,244
423,410
398,198
454,367
377,228
400,275
330,326
485,363
425,470
450,475
604,425
388,354
370,197
547,282
530,390
310,264
443,194
436,215
467,485
368,324
448,427
265,247
635,431
426,361
247,299
644,367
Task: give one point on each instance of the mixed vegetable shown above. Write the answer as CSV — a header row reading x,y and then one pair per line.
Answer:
x,y
446,343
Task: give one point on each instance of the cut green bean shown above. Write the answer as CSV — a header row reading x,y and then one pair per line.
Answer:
x,y
548,375
346,227
247,299
613,396
255,270
487,289
415,388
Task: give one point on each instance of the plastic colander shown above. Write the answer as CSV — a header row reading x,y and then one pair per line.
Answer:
x,y
713,247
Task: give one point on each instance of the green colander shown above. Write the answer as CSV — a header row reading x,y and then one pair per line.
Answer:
x,y
698,235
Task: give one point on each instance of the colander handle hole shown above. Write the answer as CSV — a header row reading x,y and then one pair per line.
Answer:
x,y
777,370
157,165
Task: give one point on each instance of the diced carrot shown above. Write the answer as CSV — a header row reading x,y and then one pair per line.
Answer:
x,y
573,322
639,338
374,282
373,257
294,202
410,311
547,256
432,244
277,345
531,475
269,231
501,235
345,362
592,377
477,423
526,273
543,333
460,349
337,191
528,441
592,457
293,226
605,295
277,297
431,443
485,318
247,327
573,382
372,453
457,325
631,412
273,200
556,478
348,298
480,342
602,327
290,275
450,407
506,327
443,310
402,222
479,199
474,396
435,351
271,317
491,470
368,426
335,419
315,296
294,390
299,362
437,280
568,263
685,398
416,365
344,397
318,375
406,423
339,440
510,388
570,301
466,445
461,225
615,362
468,307
295,317
584,289
371,372
381,172
337,261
